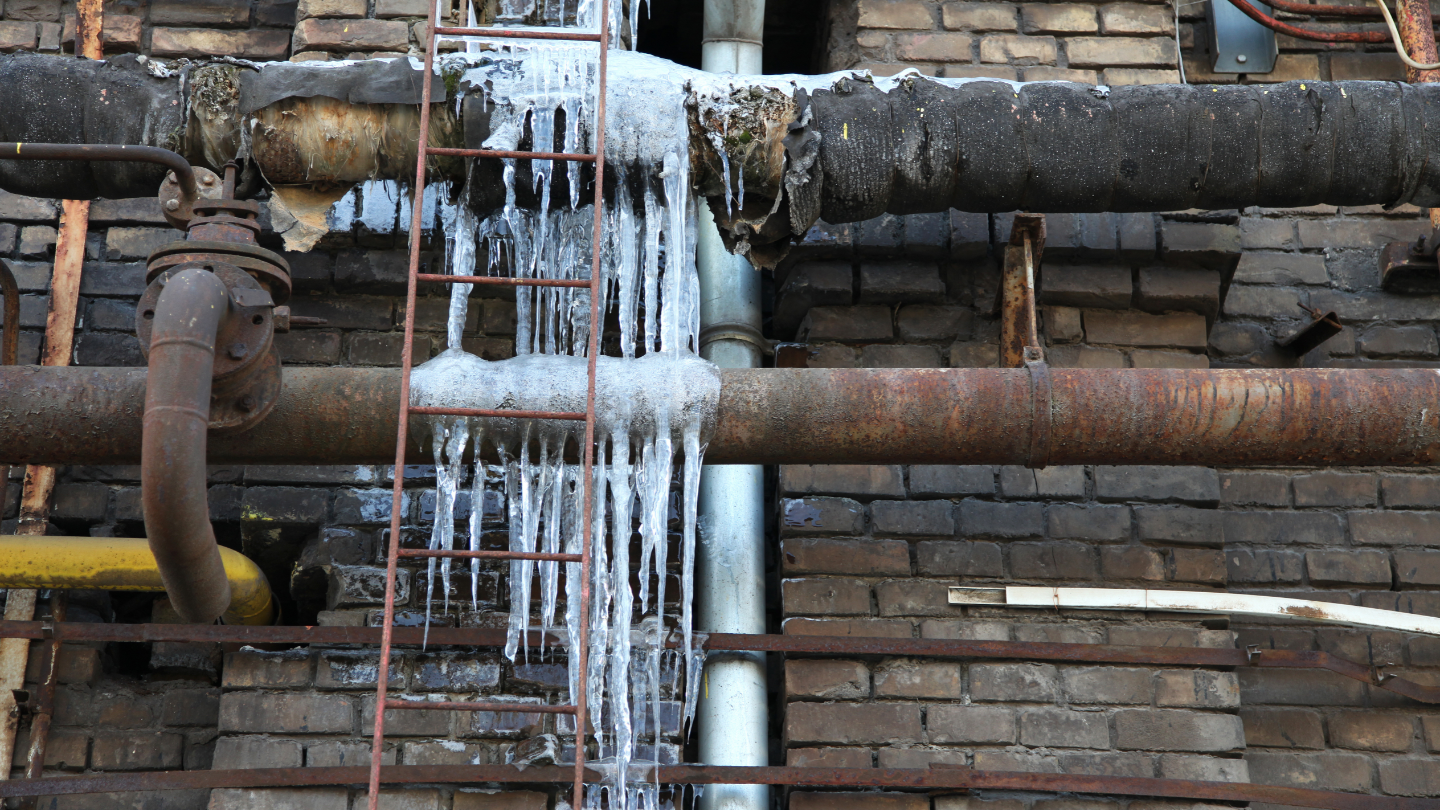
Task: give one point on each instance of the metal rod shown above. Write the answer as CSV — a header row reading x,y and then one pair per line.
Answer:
x,y
811,645
491,555
938,778
501,153
507,33
474,706
184,173
503,281
44,704
502,413
1305,33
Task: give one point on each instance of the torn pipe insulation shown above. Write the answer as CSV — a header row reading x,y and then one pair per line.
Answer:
x,y
772,153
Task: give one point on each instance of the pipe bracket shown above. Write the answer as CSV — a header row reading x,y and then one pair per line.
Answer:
x,y
1040,401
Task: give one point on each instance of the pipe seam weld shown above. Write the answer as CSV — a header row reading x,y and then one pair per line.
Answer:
x,y
1040,406
156,410
182,341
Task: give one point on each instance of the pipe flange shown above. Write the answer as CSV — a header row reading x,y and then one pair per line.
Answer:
x,y
269,267
246,333
173,206
244,402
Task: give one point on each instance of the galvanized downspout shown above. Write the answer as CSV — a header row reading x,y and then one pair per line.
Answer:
x,y
172,456
733,716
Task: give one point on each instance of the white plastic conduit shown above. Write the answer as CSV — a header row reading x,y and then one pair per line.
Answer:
x,y
1031,596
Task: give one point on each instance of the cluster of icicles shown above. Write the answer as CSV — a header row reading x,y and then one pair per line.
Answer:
x,y
650,284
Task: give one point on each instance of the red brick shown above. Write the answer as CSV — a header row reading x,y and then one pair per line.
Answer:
x,y
1370,731
852,723
878,557
827,680
18,36
1205,566
1283,728
351,35
256,44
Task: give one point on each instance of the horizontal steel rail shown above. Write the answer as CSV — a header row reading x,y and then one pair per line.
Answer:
x,y
953,778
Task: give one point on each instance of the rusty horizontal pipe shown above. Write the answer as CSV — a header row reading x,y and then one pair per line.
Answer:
x,y
940,778
1225,417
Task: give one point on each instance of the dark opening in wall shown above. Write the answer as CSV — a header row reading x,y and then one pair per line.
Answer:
x,y
792,33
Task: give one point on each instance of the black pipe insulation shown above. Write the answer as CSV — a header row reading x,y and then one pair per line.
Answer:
x,y
856,150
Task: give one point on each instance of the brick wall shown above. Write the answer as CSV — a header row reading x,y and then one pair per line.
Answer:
x,y
861,550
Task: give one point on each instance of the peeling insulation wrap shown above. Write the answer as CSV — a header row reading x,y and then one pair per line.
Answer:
x,y
61,99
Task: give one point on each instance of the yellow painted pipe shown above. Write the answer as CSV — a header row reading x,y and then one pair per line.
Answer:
x,y
122,564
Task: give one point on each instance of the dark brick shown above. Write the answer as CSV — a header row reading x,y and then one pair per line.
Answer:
x,y
1395,528
1348,567
962,558
1052,561
1090,286
201,13
1177,329
136,243
16,208
828,516
346,312
190,707
1324,771
913,518
337,669
903,678
111,316
1417,567
1370,731
1006,520
948,480
867,628
1031,683
1198,565
855,480
827,680
808,285
81,501
846,324
257,752
1051,482
137,751
1137,236
419,723
1411,490
1277,528
1410,777
108,349
309,347
362,585
1080,235
1064,728
1255,489
1282,728
927,322
852,723
914,597
1132,562
1188,484
381,271
1180,525
825,597
1299,688
1088,522
455,672
1201,243
883,355
277,799
1335,489
113,279
291,506
829,758
1177,730
385,348
1398,341
1281,268
1107,684
858,801
969,235
802,555
899,282
252,668
129,211
1164,289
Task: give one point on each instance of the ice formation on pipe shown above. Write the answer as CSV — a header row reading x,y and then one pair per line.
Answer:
x,y
655,402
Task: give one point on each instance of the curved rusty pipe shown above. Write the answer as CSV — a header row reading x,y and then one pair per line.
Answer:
x,y
184,172
172,455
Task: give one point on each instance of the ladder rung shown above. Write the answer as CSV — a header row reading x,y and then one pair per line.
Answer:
x,y
513,33
504,413
469,706
500,153
504,281
491,555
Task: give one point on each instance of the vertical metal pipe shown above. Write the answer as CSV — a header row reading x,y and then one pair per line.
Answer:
x,y
44,701
734,31
733,715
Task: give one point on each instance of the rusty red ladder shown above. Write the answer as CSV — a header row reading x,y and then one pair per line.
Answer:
x,y
578,706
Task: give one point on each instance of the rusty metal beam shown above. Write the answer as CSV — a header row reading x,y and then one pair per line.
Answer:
x,y
1229,417
1222,657
1018,282
938,778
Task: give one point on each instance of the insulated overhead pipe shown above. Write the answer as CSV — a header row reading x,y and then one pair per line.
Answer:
x,y
1219,417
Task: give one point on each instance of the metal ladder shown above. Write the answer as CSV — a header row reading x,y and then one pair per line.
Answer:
x,y
577,707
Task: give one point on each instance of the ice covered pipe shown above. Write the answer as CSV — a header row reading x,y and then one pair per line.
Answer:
x,y
773,153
